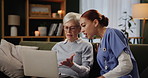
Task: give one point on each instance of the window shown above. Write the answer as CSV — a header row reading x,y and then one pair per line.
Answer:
x,y
114,10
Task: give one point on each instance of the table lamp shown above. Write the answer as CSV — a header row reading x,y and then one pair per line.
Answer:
x,y
13,21
140,11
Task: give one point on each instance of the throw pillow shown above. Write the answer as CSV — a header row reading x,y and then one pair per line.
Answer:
x,y
15,50
9,64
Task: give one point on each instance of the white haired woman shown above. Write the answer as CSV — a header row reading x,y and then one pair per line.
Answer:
x,y
75,56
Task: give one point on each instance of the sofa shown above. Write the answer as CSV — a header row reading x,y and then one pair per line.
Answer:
x,y
140,52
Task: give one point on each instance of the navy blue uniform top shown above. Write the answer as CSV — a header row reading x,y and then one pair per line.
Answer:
x,y
113,44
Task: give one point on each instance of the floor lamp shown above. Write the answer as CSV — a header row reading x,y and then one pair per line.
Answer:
x,y
140,11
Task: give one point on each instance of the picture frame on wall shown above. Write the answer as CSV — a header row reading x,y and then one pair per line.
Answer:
x,y
39,10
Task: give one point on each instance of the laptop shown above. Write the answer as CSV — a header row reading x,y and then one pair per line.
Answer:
x,y
40,63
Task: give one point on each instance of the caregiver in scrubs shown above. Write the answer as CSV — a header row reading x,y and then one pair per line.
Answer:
x,y
114,55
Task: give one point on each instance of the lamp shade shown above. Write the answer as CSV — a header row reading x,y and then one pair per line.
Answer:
x,y
140,11
14,20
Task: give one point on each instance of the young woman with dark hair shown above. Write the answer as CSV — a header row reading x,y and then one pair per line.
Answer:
x,y
114,55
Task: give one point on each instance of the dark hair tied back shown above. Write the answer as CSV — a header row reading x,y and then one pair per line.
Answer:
x,y
104,21
94,14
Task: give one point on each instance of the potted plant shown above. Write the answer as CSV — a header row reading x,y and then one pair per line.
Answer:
x,y
126,24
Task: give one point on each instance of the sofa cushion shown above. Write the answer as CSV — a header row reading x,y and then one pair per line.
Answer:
x,y
140,52
41,44
9,55
27,47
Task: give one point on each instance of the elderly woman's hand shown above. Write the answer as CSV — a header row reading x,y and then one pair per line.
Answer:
x,y
68,62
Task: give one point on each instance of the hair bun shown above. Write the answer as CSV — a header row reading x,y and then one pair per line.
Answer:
x,y
104,21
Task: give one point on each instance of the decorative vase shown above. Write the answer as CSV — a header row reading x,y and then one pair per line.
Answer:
x,y
43,31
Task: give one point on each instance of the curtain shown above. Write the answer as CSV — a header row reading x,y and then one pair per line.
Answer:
x,y
118,12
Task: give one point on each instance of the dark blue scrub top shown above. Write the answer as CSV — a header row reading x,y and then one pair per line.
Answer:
x,y
113,44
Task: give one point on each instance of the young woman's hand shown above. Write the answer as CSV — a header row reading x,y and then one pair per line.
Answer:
x,y
68,62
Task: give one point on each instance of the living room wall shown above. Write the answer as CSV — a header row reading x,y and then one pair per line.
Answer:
x,y
73,6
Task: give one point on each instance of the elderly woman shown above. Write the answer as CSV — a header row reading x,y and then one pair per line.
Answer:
x,y
75,56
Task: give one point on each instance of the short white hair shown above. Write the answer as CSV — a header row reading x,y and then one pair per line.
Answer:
x,y
72,16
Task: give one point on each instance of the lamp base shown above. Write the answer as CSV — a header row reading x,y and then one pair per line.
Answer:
x,y
13,31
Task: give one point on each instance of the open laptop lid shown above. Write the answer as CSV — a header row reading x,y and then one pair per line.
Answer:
x,y
40,63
